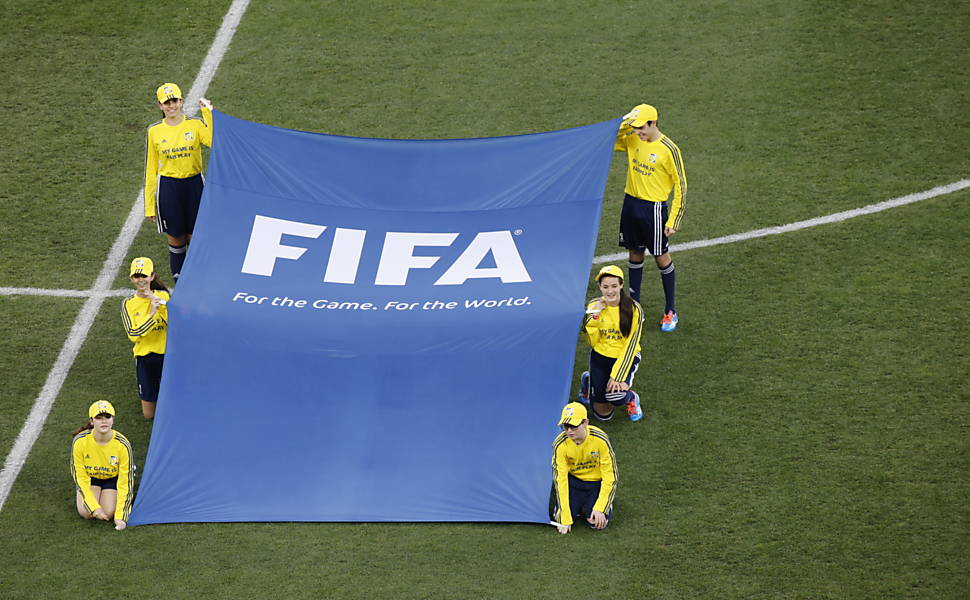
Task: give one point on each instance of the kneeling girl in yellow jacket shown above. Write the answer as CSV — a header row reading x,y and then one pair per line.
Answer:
x,y
613,325
102,467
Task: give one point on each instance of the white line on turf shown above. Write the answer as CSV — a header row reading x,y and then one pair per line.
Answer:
x,y
82,325
833,218
30,291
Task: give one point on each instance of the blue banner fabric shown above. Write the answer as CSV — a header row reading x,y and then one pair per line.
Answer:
x,y
375,330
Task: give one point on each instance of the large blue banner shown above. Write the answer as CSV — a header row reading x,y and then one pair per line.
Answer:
x,y
375,330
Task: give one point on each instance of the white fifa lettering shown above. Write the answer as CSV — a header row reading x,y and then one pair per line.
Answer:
x,y
265,247
508,264
348,244
397,257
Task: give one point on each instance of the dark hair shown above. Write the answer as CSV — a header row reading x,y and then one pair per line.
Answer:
x,y
626,312
88,425
157,284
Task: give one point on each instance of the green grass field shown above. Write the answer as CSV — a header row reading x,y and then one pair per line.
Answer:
x,y
807,425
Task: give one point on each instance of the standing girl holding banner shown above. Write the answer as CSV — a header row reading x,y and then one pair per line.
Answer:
x,y
613,325
173,171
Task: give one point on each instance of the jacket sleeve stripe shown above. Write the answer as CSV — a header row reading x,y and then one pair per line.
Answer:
x,y
616,473
681,176
77,484
130,496
632,343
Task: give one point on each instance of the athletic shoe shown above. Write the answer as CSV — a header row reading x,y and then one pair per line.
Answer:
x,y
668,322
584,388
633,408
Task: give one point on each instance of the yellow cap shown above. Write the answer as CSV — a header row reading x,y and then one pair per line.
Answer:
x,y
573,413
101,406
168,91
142,266
647,113
613,270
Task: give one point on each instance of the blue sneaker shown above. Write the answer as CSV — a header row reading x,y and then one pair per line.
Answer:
x,y
584,388
633,408
668,322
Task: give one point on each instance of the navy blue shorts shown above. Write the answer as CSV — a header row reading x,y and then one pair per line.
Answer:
x,y
106,484
582,498
177,205
148,368
642,225
599,375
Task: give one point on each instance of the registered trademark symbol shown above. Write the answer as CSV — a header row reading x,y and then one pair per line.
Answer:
x,y
517,232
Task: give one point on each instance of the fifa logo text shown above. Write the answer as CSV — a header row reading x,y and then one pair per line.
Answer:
x,y
397,255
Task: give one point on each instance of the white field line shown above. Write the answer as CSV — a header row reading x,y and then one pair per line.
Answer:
x,y
28,291
82,325
833,218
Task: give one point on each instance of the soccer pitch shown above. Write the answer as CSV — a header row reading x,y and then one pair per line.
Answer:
x,y
806,427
